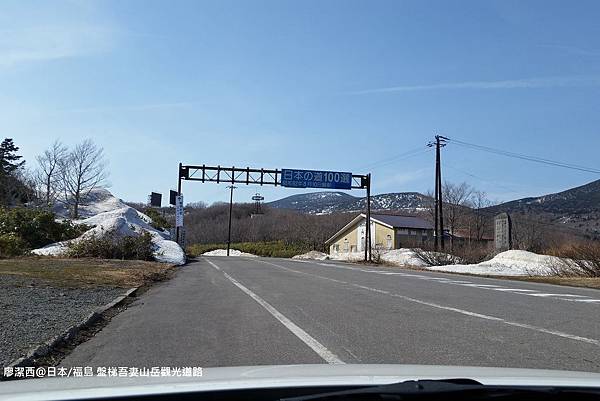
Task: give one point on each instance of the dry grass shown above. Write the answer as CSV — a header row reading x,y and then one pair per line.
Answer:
x,y
87,272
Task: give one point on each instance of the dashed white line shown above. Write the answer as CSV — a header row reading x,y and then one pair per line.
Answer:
x,y
449,308
443,280
306,338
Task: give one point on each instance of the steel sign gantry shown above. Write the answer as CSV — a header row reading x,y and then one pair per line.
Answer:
x,y
293,178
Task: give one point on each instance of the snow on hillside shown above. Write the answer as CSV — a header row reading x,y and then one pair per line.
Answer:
x,y
104,212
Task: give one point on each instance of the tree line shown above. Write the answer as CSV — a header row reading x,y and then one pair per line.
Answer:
x,y
209,225
62,175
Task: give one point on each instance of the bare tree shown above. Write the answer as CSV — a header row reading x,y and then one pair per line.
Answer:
x,y
480,220
48,176
84,170
456,203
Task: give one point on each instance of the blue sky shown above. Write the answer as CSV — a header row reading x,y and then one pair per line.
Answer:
x,y
338,85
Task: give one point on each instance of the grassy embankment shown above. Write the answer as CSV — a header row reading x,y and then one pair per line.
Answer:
x,y
82,273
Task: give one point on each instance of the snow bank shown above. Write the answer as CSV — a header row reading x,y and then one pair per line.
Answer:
x,y
398,257
104,212
508,263
402,257
349,256
223,252
314,255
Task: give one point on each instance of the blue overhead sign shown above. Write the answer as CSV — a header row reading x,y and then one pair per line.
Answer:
x,y
316,179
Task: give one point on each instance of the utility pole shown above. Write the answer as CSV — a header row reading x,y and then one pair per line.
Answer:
x,y
368,250
440,142
231,187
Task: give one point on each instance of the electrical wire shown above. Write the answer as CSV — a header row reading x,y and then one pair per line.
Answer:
x,y
523,156
396,158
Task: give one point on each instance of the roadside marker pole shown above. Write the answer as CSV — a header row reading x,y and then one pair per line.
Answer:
x,y
178,194
231,187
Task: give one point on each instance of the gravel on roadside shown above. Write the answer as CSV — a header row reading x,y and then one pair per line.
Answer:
x,y
32,311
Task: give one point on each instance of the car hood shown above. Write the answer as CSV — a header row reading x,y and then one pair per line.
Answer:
x,y
248,377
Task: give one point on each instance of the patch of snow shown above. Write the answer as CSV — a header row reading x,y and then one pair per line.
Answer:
x,y
232,252
349,256
104,212
315,255
402,257
508,263
99,200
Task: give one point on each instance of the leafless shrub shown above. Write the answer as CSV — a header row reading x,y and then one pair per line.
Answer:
x,y
577,260
473,253
376,253
464,254
433,258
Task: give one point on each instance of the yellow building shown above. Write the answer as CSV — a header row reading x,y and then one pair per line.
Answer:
x,y
387,231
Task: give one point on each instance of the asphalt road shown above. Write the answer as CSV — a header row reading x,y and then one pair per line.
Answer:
x,y
255,311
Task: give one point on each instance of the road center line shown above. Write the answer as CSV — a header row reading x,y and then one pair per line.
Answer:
x,y
442,280
449,308
306,338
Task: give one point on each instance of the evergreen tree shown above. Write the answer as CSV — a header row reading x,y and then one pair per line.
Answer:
x,y
9,160
13,187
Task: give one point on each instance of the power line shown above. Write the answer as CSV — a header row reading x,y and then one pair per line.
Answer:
x,y
480,178
398,157
523,156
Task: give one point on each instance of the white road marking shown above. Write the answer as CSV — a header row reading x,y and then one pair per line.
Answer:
x,y
306,338
543,294
451,309
443,280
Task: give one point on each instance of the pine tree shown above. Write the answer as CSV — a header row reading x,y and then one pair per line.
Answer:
x,y
13,189
9,158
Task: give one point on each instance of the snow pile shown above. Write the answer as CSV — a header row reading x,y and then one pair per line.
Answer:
x,y
104,213
314,255
99,200
223,252
402,257
508,263
398,257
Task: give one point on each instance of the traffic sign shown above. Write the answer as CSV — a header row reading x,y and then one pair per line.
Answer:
x,y
316,179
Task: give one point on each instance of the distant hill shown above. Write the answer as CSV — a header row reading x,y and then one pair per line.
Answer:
x,y
577,207
315,202
329,202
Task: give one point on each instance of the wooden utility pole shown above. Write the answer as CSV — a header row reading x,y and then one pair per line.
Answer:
x,y
440,142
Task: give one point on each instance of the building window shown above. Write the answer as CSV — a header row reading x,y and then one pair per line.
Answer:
x,y
413,232
336,248
389,241
346,245
402,231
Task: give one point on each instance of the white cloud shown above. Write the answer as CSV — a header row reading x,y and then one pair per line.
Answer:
x,y
52,42
527,83
136,107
